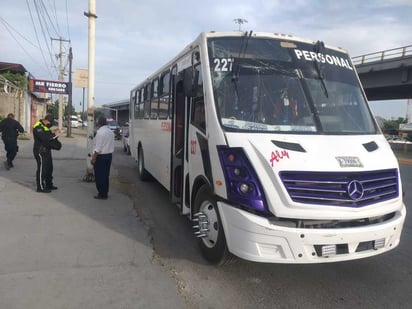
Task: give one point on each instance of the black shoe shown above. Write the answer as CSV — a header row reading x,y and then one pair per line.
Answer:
x,y
51,187
99,197
45,190
6,165
11,164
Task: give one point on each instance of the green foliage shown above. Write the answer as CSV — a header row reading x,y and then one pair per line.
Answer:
x,y
393,125
19,80
54,110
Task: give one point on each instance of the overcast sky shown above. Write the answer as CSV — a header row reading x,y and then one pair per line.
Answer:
x,y
136,37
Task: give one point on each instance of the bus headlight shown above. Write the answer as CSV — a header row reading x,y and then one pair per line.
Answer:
x,y
244,188
242,184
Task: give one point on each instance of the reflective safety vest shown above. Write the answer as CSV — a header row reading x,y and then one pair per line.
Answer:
x,y
39,123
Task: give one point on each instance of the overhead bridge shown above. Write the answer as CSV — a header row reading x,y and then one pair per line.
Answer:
x,y
386,75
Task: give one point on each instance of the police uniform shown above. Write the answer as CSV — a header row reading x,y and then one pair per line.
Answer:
x,y
10,129
44,141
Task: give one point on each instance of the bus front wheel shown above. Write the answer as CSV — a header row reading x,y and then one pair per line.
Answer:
x,y
143,173
213,242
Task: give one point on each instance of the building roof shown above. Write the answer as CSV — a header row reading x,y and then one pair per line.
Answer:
x,y
119,105
12,67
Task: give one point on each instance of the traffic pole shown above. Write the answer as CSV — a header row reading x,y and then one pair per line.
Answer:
x,y
90,93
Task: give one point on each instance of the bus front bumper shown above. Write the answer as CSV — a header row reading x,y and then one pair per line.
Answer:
x,y
256,239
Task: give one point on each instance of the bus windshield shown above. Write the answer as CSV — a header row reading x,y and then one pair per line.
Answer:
x,y
272,85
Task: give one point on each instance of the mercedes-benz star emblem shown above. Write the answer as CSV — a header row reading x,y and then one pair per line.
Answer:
x,y
355,190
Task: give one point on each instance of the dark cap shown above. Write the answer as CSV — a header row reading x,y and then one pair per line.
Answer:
x,y
49,118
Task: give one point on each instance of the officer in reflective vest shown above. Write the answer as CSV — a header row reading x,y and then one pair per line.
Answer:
x,y
44,141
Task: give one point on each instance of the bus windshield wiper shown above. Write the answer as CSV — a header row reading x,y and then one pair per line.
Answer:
x,y
235,73
320,48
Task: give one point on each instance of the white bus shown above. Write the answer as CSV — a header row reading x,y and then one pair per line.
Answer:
x,y
267,143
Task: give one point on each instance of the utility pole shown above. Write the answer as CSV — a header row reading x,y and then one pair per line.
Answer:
x,y
69,109
61,78
91,15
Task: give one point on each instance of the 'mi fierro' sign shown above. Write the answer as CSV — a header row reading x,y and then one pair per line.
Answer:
x,y
49,86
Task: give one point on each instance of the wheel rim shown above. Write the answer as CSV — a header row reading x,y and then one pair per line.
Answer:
x,y
209,209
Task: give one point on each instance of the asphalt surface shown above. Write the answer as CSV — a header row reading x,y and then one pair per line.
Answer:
x,y
65,249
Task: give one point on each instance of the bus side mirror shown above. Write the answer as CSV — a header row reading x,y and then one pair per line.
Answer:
x,y
189,89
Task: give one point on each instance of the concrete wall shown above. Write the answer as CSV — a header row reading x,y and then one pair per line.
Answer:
x,y
12,103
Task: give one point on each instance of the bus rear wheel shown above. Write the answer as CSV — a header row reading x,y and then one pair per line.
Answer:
x,y
143,173
213,242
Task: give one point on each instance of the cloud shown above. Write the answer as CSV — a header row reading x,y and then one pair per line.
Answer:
x,y
135,38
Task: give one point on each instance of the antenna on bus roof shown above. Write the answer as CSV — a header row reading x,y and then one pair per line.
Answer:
x,y
240,22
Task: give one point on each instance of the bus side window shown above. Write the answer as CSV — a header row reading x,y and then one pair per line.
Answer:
x,y
154,99
173,90
133,103
198,117
140,103
147,101
198,114
164,95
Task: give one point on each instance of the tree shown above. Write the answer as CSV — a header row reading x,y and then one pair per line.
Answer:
x,y
17,79
392,126
54,110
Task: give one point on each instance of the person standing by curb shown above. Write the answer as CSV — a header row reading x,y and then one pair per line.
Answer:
x,y
103,149
10,128
44,141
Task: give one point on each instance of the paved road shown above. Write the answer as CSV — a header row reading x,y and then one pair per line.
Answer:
x,y
67,250
383,281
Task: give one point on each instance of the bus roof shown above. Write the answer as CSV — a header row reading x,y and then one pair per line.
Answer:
x,y
203,36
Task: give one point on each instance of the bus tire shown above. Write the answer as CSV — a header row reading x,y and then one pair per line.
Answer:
x,y
143,173
213,246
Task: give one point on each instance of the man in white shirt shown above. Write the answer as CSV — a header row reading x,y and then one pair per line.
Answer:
x,y
102,157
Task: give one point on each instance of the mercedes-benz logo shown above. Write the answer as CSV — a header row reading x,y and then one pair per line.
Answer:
x,y
355,190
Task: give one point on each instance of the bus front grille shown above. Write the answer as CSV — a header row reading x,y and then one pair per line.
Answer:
x,y
348,189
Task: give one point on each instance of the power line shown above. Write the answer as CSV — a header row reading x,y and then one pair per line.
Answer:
x,y
42,5
37,37
67,20
8,27
55,14
43,30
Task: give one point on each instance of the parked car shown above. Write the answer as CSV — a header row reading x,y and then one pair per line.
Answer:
x,y
125,138
74,122
82,123
114,126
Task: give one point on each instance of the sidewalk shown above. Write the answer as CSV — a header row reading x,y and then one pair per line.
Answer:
x,y
65,249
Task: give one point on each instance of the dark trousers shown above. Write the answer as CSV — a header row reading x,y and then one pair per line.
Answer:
x,y
102,173
44,172
10,145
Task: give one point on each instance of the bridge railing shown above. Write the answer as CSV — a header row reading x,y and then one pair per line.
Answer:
x,y
383,55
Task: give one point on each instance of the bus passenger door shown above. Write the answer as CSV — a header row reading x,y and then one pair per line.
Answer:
x,y
178,136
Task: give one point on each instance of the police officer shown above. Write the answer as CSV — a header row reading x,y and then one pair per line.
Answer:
x,y
10,129
44,141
